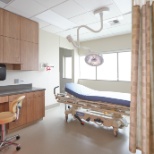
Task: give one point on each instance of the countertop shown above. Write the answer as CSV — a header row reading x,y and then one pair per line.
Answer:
x,y
18,89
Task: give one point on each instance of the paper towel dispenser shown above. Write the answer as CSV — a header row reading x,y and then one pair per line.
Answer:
x,y
2,72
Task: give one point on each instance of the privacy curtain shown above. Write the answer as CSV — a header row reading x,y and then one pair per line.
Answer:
x,y
142,82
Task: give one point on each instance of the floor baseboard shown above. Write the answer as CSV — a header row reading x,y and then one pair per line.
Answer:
x,y
51,106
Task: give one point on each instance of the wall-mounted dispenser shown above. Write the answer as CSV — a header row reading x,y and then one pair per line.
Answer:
x,y
46,66
2,72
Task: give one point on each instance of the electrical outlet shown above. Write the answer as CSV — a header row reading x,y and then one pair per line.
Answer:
x,y
16,81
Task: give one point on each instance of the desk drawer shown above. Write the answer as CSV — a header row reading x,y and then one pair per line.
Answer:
x,y
3,99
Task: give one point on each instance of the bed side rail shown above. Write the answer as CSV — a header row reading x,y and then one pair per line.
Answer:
x,y
54,90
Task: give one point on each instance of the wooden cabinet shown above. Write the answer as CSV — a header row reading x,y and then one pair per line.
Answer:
x,y
11,50
30,107
18,41
29,30
1,22
11,25
1,48
29,56
22,115
4,106
39,106
33,108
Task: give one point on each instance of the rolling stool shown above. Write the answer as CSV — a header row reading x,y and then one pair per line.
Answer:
x,y
7,117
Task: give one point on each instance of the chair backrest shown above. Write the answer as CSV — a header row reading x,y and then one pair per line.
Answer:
x,y
16,105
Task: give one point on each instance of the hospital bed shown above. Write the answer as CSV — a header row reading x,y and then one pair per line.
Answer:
x,y
102,107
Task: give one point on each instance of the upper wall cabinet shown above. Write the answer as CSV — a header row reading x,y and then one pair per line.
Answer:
x,y
1,22
11,25
29,30
29,56
18,41
11,50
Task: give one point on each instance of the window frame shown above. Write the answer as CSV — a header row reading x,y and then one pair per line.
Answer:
x,y
96,78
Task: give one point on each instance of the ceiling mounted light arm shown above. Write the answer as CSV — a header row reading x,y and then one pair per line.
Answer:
x,y
95,31
92,59
100,11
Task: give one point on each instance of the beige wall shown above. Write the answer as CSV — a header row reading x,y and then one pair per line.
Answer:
x,y
111,44
115,43
49,53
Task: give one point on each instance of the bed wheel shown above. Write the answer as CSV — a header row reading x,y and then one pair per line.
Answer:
x,y
66,117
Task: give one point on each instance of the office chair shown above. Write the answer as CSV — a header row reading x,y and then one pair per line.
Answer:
x,y
7,117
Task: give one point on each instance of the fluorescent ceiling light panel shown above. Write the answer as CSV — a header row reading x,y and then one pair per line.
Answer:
x,y
55,19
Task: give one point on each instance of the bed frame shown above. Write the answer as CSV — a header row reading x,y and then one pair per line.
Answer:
x,y
102,113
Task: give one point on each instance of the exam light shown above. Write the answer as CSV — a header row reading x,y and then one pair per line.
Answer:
x,y
91,58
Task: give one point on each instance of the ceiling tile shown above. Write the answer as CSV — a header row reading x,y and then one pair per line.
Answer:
x,y
68,32
16,11
112,13
29,7
125,6
93,4
55,19
49,3
68,9
52,29
2,5
41,23
127,19
84,19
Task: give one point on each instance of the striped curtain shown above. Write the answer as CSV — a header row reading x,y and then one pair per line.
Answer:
x,y
142,80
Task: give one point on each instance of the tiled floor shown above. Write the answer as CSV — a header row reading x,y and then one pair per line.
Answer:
x,y
53,135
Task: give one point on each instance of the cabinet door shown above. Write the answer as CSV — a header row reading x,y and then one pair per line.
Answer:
x,y
1,22
4,106
30,107
11,25
11,52
1,49
39,105
34,56
29,30
22,115
29,56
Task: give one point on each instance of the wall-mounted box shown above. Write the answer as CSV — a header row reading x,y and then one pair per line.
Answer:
x,y
2,72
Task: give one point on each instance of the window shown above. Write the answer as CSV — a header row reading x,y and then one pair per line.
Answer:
x,y
116,67
87,71
108,70
67,69
124,66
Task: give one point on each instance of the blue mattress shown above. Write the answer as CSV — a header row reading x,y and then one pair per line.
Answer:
x,y
85,93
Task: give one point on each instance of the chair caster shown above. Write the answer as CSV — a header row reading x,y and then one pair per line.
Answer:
x,y
18,137
18,148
